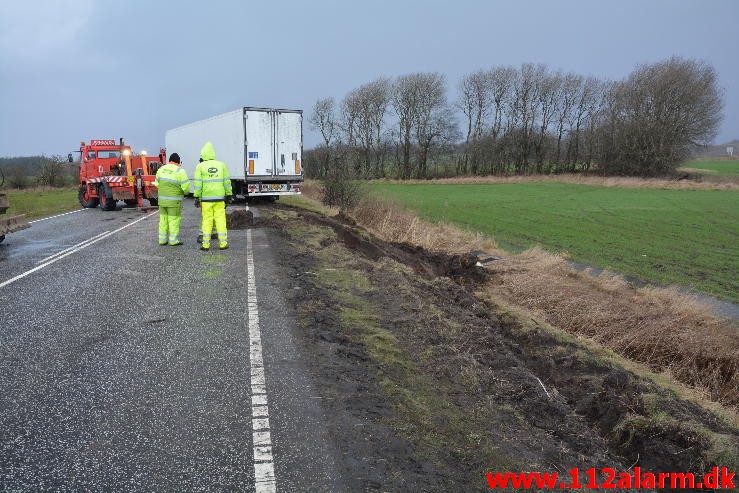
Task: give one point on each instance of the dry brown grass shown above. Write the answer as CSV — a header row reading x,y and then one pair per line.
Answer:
x,y
391,222
609,181
670,332
663,328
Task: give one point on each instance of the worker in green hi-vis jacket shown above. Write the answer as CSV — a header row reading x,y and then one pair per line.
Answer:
x,y
173,185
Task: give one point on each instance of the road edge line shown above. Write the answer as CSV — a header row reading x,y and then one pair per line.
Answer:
x,y
58,215
264,469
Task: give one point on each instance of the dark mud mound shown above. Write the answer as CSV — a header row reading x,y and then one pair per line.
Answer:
x,y
239,219
458,267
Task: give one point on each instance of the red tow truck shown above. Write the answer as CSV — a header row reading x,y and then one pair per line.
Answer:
x,y
110,172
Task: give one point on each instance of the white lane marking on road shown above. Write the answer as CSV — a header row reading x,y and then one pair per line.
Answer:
x,y
77,249
72,247
52,217
264,466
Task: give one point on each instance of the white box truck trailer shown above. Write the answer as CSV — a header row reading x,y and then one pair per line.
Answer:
x,y
262,147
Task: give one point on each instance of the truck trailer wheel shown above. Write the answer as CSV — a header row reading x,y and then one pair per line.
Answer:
x,y
85,200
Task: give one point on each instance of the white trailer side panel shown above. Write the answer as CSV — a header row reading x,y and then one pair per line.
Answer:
x,y
225,131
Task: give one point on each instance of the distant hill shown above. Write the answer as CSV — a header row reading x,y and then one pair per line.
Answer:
x,y
717,150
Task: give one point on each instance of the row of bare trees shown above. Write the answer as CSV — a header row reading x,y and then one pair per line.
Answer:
x,y
522,120
358,136
528,120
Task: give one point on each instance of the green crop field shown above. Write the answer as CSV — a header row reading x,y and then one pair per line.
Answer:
x,y
42,203
718,168
666,236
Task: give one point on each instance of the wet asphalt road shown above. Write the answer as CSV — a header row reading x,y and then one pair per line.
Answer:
x,y
125,366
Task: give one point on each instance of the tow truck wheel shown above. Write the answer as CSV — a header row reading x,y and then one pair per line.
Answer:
x,y
107,203
85,199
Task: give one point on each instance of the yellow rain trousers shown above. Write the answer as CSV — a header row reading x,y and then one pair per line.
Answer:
x,y
169,224
172,184
214,212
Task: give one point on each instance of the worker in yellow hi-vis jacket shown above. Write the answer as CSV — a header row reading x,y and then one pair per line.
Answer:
x,y
212,191
172,184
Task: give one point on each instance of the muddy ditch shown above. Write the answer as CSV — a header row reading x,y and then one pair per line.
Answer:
x,y
431,386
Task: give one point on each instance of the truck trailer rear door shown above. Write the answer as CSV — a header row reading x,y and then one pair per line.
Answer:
x,y
288,145
259,128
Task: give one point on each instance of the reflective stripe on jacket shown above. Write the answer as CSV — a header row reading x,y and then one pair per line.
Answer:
x,y
211,180
172,184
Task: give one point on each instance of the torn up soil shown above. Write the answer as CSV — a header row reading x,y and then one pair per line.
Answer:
x,y
239,219
429,387
461,268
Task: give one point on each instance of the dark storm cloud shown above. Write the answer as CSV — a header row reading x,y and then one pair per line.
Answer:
x,y
73,70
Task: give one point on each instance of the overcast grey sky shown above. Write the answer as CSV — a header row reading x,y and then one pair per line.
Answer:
x,y
74,70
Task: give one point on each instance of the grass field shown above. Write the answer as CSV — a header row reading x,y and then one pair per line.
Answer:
x,y
687,237
716,168
38,203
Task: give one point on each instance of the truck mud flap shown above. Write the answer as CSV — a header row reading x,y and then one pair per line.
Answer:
x,y
13,224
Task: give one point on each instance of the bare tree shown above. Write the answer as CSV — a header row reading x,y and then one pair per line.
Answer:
x,y
524,107
587,96
548,94
502,80
432,115
405,103
323,119
595,111
566,99
364,111
350,111
476,102
501,84
658,114
378,93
